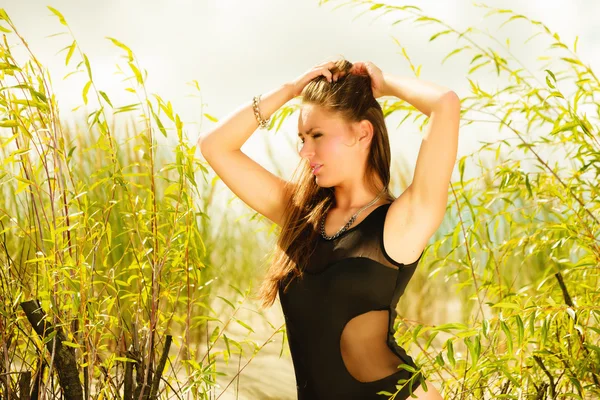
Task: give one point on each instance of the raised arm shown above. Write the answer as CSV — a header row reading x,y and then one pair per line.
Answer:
x,y
437,155
260,189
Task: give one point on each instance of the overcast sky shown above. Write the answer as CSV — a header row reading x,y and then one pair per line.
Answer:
x,y
238,49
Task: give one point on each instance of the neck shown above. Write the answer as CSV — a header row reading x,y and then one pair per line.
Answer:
x,y
351,205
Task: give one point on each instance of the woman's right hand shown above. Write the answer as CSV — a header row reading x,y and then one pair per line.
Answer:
x,y
321,69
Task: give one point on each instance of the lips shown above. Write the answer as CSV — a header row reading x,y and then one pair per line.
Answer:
x,y
317,168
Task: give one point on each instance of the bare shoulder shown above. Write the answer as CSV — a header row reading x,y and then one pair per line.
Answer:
x,y
405,233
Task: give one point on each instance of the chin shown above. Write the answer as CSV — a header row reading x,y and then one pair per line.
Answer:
x,y
323,185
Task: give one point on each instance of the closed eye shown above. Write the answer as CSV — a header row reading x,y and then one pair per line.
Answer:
x,y
316,135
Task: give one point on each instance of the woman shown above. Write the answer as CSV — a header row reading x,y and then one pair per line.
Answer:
x,y
347,247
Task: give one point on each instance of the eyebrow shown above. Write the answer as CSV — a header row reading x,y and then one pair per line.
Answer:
x,y
309,131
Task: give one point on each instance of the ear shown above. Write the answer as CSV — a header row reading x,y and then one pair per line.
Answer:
x,y
365,133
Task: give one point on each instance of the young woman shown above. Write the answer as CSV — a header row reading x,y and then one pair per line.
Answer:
x,y
347,247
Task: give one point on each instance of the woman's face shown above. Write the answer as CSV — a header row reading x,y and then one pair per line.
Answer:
x,y
324,138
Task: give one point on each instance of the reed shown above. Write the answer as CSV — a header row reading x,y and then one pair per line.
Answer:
x,y
116,236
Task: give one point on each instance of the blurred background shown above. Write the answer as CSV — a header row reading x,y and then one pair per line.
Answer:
x,y
207,58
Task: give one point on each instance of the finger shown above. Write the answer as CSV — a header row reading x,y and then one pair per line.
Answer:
x,y
338,75
327,73
358,68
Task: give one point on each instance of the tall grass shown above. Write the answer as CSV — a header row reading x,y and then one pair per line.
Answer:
x,y
125,249
109,237
520,244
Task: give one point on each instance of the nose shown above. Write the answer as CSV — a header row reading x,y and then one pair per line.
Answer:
x,y
306,150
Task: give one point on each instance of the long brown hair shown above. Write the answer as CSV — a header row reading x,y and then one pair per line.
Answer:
x,y
351,97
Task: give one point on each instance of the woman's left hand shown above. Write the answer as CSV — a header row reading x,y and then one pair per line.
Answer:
x,y
378,84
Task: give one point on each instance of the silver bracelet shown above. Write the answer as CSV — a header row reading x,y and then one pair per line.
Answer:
x,y
261,122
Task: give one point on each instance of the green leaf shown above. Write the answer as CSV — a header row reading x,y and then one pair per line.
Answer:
x,y
415,333
70,52
520,330
486,327
24,180
215,334
86,88
572,61
244,325
509,341
475,68
450,352
87,66
528,185
475,58
4,15
514,17
157,120
105,97
555,94
474,346
210,117
38,96
407,367
551,74
428,19
227,301
59,15
137,73
566,127
532,323
455,51
593,347
125,359
122,46
507,305
9,67
129,107
432,38
431,337
450,326
544,335
9,123
227,354
31,103
205,318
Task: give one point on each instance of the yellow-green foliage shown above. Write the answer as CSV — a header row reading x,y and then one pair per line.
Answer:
x,y
114,239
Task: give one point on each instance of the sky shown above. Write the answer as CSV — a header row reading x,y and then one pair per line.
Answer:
x,y
237,49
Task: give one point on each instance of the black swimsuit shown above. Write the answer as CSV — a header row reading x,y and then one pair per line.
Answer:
x,y
346,277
